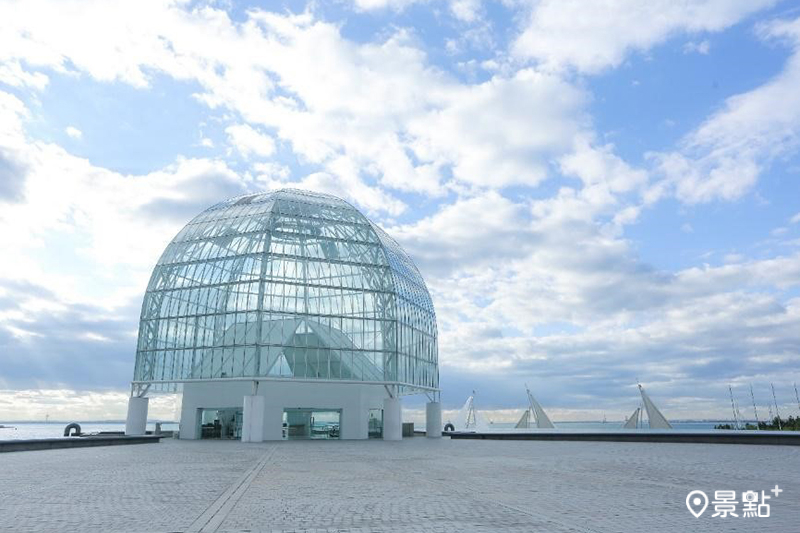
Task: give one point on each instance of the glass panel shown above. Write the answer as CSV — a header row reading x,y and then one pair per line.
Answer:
x,y
375,424
289,284
220,423
303,424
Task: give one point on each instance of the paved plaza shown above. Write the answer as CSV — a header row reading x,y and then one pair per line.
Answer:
x,y
416,485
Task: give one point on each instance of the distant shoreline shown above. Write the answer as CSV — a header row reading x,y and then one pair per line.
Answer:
x,y
80,422
681,421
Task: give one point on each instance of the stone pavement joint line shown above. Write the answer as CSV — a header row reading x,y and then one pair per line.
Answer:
x,y
417,485
473,494
212,517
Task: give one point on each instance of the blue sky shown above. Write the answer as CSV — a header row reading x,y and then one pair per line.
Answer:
x,y
596,192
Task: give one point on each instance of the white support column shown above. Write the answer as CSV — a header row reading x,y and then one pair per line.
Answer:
x,y
392,419
253,419
136,422
433,419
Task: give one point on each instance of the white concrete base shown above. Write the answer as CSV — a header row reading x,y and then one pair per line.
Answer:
x,y
392,419
353,400
253,419
433,419
136,422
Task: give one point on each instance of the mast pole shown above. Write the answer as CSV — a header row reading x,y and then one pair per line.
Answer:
x,y
733,408
755,410
530,406
796,396
471,411
777,413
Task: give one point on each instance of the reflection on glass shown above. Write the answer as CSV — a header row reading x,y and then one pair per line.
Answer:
x,y
291,285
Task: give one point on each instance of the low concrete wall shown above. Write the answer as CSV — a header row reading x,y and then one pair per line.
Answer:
x,y
74,442
780,438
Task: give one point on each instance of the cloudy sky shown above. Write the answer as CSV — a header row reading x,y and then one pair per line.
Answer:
x,y
596,192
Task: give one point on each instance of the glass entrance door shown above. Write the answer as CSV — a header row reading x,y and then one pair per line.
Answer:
x,y
311,423
375,423
221,423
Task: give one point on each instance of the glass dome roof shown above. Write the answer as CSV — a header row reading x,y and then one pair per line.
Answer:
x,y
287,285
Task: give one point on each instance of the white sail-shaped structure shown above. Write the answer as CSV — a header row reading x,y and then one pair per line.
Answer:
x,y
542,420
481,424
465,419
525,421
633,421
654,416
469,418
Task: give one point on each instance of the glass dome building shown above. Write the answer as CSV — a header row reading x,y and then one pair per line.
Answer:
x,y
286,314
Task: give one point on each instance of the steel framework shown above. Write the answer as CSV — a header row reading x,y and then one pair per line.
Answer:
x,y
282,286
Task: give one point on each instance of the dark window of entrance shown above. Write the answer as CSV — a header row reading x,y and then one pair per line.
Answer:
x,y
376,423
221,423
311,423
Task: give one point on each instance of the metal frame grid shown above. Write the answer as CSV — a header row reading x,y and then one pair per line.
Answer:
x,y
287,285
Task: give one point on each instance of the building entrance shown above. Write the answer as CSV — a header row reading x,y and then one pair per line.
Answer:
x,y
223,423
375,424
311,423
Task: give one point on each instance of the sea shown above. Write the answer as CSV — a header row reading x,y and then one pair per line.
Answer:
x,y
683,425
52,430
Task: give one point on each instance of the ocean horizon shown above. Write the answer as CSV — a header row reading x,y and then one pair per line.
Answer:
x,y
55,429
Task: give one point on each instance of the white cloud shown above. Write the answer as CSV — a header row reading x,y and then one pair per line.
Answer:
x,y
452,238
69,404
396,5
20,333
538,288
91,219
592,36
11,73
466,10
724,156
73,132
501,132
702,47
463,10
94,337
599,165
249,141
12,111
13,159
271,170
520,281
369,115
84,243
795,219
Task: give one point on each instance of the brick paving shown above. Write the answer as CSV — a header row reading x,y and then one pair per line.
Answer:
x,y
417,485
